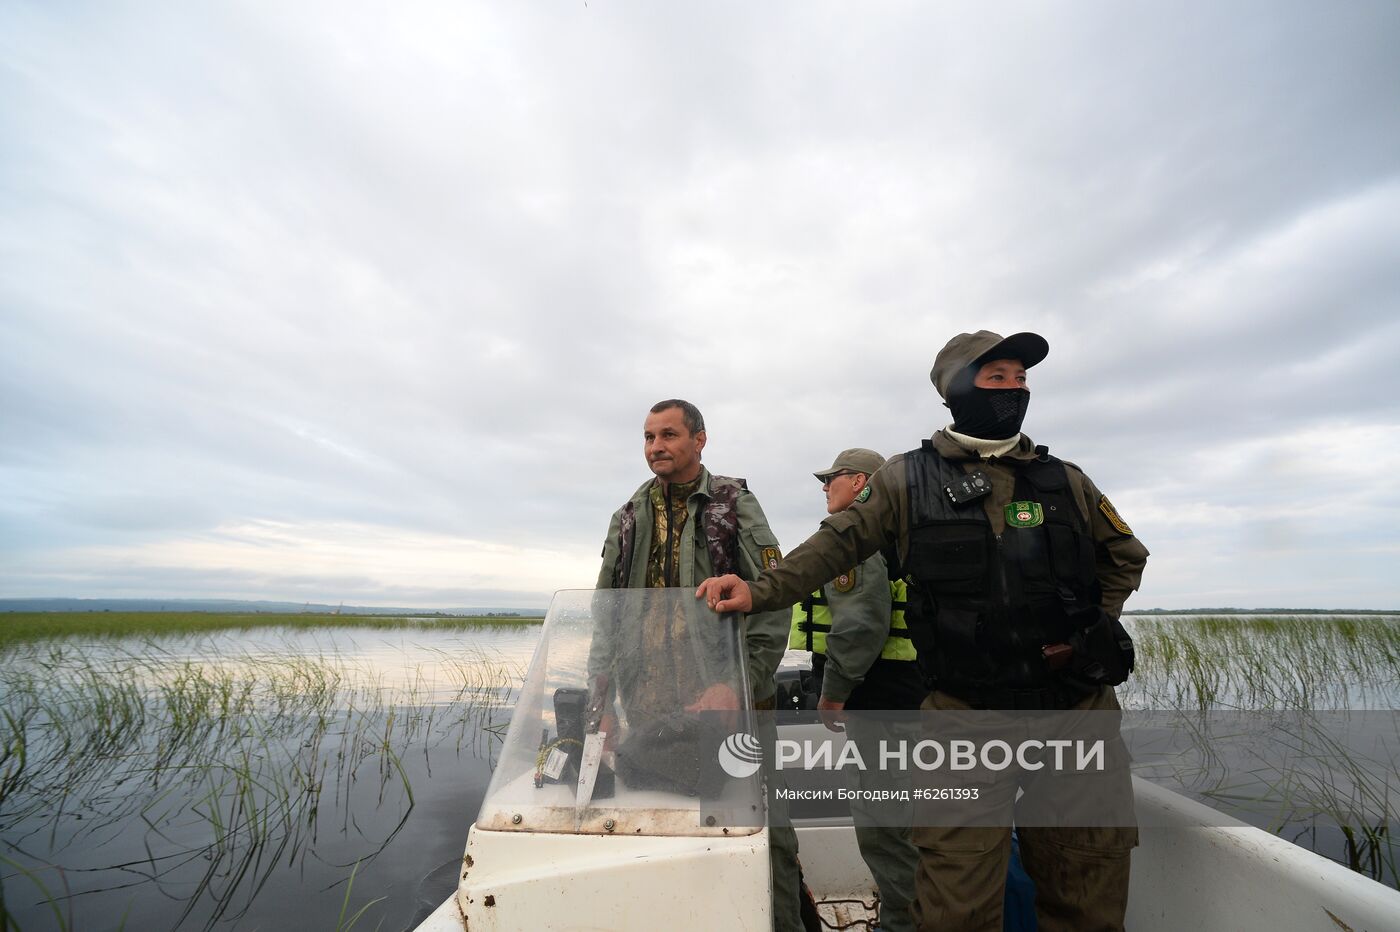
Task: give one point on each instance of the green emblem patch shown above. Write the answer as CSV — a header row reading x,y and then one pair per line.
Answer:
x,y
1024,514
770,557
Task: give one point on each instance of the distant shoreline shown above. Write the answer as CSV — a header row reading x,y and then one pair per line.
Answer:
x,y
254,607
1261,611
20,627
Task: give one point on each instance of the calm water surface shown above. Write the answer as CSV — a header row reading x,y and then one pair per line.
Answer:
x,y
236,780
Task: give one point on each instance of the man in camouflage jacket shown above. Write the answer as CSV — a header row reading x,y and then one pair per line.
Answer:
x,y
678,528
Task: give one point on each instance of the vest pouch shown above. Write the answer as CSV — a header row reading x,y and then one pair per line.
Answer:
x,y
1103,652
1031,551
956,629
1031,579
950,558
919,616
1070,554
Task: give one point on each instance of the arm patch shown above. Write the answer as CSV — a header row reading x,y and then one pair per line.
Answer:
x,y
770,557
1113,517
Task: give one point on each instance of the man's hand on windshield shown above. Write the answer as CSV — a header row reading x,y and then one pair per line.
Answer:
x,y
718,698
832,713
726,594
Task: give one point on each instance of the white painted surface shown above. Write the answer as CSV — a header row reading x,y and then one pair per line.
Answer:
x,y
1195,869
833,870
530,881
446,918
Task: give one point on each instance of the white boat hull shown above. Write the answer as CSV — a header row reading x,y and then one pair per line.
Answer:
x,y
1192,872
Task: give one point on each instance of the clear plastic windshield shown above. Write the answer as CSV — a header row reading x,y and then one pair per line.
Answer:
x,y
635,718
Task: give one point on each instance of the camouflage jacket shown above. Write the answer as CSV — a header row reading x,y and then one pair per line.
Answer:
x,y
766,632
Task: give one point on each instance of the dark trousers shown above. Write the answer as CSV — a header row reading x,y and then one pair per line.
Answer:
x,y
1080,872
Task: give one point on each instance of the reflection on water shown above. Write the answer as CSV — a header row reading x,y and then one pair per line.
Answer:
x,y
236,780
429,664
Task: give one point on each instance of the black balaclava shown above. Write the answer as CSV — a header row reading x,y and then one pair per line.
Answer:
x,y
989,413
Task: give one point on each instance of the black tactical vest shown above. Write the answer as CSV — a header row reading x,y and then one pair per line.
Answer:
x,y
983,607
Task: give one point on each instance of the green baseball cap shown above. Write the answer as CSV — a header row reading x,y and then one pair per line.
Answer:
x,y
984,346
856,459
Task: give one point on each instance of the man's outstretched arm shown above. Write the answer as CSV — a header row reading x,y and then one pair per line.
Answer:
x,y
843,540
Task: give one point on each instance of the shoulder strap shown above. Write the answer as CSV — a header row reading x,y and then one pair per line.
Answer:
x,y
927,474
626,536
1045,472
719,522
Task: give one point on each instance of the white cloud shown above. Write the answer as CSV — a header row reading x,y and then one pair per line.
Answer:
x,y
312,267
354,563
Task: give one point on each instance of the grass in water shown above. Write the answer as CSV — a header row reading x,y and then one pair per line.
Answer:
x,y
223,766
1302,682
17,627
1261,663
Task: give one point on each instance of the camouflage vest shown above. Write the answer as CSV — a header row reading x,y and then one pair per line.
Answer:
x,y
719,523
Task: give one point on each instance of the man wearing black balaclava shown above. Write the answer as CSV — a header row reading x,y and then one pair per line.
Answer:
x,y
990,404
1018,568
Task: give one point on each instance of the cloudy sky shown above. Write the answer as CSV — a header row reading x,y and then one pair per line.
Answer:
x,y
367,302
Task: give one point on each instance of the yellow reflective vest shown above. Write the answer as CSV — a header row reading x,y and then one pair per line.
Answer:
x,y
811,620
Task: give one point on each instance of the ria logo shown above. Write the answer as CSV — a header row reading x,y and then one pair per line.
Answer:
x,y
740,755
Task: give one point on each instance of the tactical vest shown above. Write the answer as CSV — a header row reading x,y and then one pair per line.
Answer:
x,y
811,620
983,607
719,523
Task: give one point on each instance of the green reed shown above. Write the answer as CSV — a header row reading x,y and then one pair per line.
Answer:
x,y
1248,662
228,763
1299,668
18,627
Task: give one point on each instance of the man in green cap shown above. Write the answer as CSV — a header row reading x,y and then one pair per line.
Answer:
x,y
680,526
1019,567
863,661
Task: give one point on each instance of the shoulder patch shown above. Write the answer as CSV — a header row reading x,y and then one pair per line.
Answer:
x,y
1113,517
770,557
845,582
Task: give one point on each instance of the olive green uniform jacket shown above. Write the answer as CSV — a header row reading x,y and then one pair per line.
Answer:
x,y
767,631
848,537
860,624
